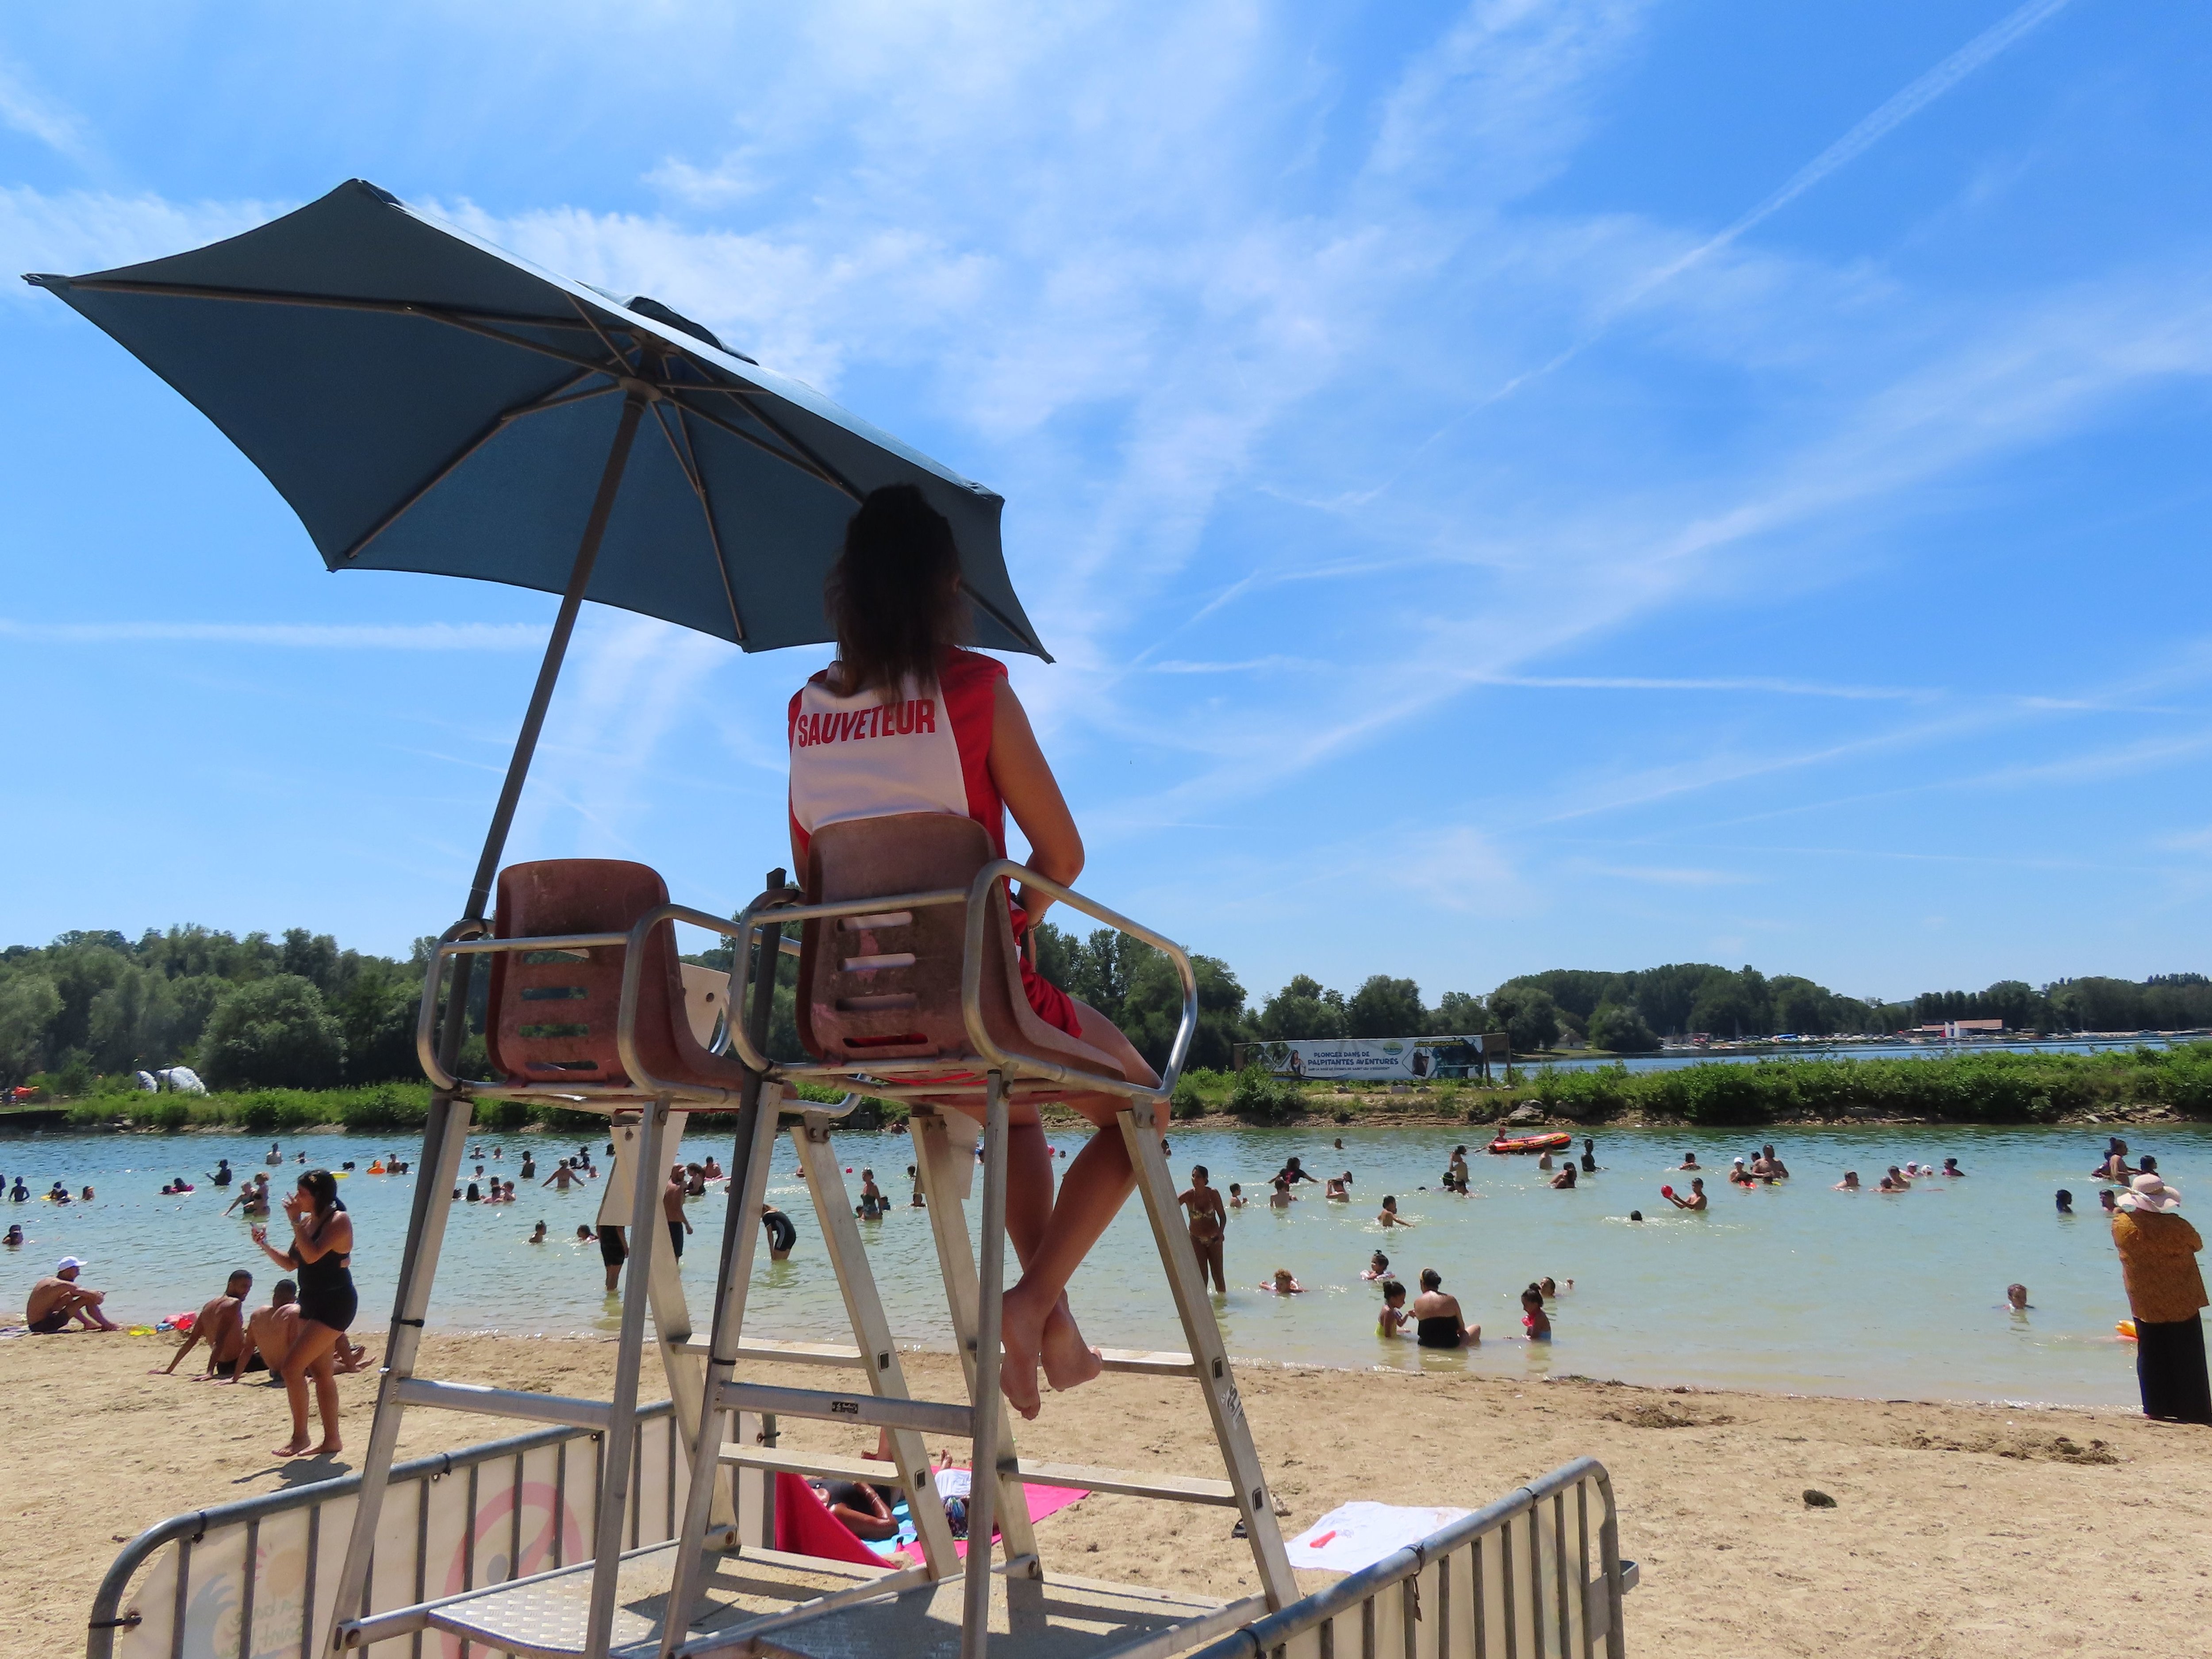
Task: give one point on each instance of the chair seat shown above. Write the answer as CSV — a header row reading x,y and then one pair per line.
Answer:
x,y
885,987
554,1012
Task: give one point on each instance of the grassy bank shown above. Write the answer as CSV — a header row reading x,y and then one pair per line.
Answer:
x,y
1989,1088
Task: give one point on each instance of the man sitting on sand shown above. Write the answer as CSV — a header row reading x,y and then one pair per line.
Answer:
x,y
56,1300
220,1323
270,1332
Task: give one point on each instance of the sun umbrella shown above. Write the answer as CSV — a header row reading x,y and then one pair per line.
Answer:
x,y
428,402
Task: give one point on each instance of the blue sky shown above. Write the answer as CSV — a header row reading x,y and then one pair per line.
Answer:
x,y
1507,486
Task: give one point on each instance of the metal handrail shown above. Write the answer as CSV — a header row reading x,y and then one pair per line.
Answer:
x,y
195,1524
469,937
976,899
1266,1636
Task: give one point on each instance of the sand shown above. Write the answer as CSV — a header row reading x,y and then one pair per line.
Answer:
x,y
1957,1530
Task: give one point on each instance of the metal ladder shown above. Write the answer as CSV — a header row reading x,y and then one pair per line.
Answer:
x,y
717,1516
972,1290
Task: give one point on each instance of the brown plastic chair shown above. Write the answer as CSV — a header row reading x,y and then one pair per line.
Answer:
x,y
885,988
553,1012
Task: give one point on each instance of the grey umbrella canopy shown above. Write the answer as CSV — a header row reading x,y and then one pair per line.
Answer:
x,y
428,402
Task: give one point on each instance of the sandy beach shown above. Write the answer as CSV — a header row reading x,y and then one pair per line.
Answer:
x,y
1957,1531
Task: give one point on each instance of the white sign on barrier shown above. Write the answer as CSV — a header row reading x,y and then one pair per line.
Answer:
x,y
1371,1058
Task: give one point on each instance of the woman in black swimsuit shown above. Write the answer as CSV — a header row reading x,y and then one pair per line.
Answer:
x,y
1437,1323
322,1244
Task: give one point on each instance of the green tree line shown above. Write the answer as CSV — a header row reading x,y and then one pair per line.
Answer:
x,y
297,1012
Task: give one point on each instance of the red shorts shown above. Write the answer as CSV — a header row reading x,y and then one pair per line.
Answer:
x,y
1047,1000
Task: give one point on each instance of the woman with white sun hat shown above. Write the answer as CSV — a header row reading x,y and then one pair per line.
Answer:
x,y
2158,1259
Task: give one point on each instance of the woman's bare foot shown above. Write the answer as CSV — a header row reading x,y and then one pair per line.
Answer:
x,y
328,1448
1021,1334
295,1447
1069,1361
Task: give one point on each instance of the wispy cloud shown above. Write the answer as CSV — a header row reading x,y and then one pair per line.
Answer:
x,y
25,109
309,636
76,231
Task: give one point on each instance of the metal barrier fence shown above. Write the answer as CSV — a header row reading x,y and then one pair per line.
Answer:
x,y
255,1579
1537,1575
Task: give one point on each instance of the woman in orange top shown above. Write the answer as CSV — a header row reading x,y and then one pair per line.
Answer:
x,y
2158,1259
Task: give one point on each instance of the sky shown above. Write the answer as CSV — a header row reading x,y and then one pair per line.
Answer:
x,y
1506,486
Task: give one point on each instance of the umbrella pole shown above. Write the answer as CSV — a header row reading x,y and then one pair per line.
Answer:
x,y
448,1123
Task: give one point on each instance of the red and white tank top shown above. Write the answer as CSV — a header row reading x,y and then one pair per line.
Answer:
x,y
927,752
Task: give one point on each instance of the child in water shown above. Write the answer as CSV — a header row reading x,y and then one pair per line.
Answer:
x,y
1283,1283
1395,1321
1533,1316
1378,1267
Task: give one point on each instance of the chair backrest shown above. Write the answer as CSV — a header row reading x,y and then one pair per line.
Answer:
x,y
885,986
553,1012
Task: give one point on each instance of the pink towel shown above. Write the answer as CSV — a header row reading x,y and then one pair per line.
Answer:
x,y
1043,1501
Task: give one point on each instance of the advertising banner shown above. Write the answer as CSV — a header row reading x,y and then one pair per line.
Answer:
x,y
1366,1058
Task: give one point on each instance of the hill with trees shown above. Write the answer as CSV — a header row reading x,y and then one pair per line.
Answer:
x,y
298,1011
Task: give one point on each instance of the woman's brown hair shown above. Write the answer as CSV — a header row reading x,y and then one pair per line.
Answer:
x,y
894,595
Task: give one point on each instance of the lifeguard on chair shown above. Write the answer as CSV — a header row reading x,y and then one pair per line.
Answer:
x,y
907,753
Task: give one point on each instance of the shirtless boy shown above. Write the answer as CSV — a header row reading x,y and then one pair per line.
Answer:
x,y
1207,1216
220,1323
1390,1217
55,1300
1696,1201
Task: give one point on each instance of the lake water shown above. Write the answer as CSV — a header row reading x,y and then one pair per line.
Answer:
x,y
1795,1287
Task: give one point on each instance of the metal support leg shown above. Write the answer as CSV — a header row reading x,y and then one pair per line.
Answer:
x,y
755,1144
1203,1334
938,1162
445,1138
622,1428
871,1335
990,1290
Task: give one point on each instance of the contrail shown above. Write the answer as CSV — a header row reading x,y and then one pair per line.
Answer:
x,y
1863,137
1860,138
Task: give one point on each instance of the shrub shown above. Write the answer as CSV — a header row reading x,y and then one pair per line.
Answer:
x,y
1258,1093
272,1031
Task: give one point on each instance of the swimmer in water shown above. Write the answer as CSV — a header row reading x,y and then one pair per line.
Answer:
x,y
1388,1216
2105,1199
1565,1181
1849,1184
1689,1162
1898,1181
1437,1322
1235,1195
1696,1201
537,1237
1283,1283
1334,1191
1378,1267
1534,1319
1394,1320
1950,1168
2065,1202
2016,1299
1282,1197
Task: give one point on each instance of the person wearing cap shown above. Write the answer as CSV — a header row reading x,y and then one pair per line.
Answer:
x,y
2166,1292
54,1301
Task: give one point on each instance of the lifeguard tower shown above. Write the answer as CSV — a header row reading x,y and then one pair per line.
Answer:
x,y
428,403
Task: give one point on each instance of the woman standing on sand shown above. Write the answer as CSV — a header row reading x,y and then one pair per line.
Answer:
x,y
2158,1259
322,1244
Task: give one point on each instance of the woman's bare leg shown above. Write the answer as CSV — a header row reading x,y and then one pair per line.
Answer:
x,y
326,1403
1098,1181
311,1344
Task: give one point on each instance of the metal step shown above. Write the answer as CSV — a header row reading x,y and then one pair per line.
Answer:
x,y
1169,1488
1135,1362
929,1416
504,1402
827,1466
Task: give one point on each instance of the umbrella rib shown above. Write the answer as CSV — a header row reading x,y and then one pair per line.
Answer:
x,y
800,462
689,464
558,397
470,322
822,469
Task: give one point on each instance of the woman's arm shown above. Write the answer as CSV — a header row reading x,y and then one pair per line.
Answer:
x,y
1032,795
336,1234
